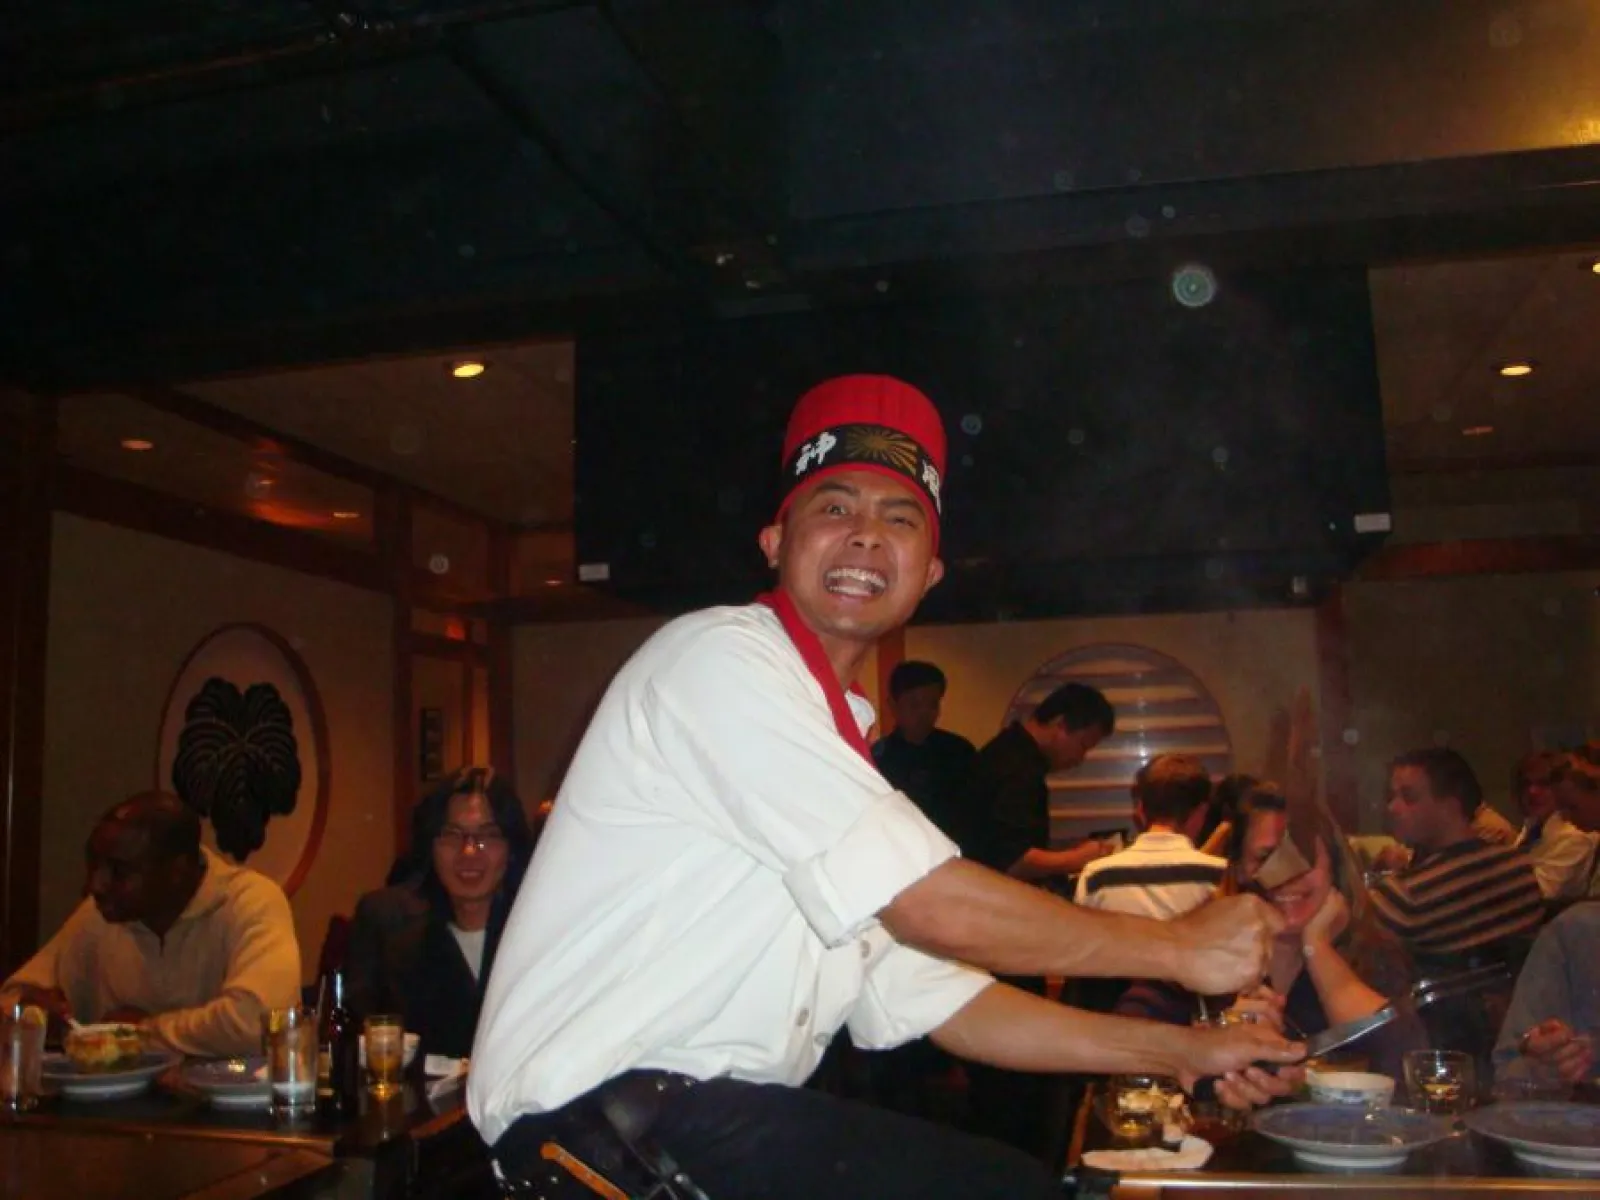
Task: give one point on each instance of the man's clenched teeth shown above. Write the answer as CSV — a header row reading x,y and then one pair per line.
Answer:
x,y
855,581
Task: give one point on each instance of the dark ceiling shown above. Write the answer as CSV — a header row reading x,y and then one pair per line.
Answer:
x,y
194,187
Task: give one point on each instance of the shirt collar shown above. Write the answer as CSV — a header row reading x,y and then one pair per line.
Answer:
x,y
212,890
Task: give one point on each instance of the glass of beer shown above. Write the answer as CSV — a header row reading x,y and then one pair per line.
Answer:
x,y
1441,1081
21,1056
384,1034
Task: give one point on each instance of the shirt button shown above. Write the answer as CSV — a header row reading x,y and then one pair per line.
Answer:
x,y
866,948
821,1039
802,1017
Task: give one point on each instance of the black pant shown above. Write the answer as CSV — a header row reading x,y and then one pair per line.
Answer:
x,y
746,1141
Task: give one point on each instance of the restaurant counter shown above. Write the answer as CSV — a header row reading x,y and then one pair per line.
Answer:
x,y
169,1144
1465,1164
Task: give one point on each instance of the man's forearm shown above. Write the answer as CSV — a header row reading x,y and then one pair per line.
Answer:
x,y
1046,864
967,912
1008,1028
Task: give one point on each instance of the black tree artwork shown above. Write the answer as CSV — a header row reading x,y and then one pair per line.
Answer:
x,y
237,762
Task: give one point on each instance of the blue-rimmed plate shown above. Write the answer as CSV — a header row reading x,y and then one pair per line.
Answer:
x,y
63,1075
231,1082
1343,1137
1549,1135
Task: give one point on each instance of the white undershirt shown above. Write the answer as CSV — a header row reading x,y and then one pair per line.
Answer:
x,y
471,943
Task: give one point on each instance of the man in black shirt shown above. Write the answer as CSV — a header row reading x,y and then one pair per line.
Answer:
x,y
1011,794
929,764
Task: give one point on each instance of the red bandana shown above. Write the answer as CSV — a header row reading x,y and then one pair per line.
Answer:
x,y
816,660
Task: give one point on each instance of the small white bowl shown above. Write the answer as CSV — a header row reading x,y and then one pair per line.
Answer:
x,y
408,1053
1350,1087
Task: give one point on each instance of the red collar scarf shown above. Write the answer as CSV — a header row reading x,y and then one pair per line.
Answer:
x,y
816,660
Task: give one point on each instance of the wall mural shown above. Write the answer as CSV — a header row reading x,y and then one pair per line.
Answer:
x,y
244,743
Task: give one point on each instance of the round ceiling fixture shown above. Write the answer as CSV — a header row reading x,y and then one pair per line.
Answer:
x,y
1516,369
137,444
1477,431
345,514
468,368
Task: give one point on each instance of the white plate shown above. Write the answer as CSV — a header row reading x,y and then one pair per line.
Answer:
x,y
1343,1137
60,1073
1550,1135
231,1082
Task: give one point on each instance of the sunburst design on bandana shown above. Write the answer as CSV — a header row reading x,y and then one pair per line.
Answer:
x,y
880,444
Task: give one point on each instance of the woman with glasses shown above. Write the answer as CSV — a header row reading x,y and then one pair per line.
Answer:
x,y
422,947
1333,962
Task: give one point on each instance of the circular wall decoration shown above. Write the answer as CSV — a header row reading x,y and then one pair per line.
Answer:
x,y
1162,708
244,742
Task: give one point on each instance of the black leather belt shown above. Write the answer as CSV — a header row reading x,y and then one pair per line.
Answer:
x,y
608,1132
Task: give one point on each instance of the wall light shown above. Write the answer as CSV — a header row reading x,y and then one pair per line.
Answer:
x,y
344,514
1516,370
1595,266
1477,431
468,368
138,444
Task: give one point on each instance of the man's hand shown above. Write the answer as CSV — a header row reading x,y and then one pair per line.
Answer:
x,y
1554,1044
1392,858
1229,1055
1261,1005
1224,946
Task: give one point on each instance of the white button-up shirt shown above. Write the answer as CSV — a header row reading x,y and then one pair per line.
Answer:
x,y
705,892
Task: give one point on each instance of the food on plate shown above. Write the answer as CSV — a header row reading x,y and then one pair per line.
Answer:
x,y
104,1047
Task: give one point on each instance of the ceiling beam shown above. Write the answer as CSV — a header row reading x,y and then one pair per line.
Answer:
x,y
244,429
1484,556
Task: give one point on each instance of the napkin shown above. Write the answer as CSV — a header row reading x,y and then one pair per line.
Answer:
x,y
451,1072
1193,1154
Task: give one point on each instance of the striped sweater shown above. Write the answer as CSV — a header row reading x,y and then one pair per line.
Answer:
x,y
1463,898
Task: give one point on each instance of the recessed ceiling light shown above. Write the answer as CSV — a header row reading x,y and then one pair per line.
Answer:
x,y
344,514
554,582
1477,431
1516,370
468,368
1595,266
138,444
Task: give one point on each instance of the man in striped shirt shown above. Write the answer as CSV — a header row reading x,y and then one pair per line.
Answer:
x,y
1461,900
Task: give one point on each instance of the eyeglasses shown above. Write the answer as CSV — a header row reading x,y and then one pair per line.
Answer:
x,y
452,837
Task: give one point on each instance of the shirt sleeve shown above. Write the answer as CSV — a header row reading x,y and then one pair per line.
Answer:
x,y
1560,862
1008,803
263,972
1541,992
908,994
64,962
1392,901
363,960
781,780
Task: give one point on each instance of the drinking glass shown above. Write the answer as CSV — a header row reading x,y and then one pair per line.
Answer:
x,y
385,1037
21,1056
1441,1081
290,1035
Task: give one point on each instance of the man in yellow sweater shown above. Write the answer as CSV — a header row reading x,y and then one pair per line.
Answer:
x,y
171,938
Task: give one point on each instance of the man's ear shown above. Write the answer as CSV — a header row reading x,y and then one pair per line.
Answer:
x,y
935,574
770,539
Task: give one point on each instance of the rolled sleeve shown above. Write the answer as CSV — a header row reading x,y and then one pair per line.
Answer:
x,y
909,994
841,890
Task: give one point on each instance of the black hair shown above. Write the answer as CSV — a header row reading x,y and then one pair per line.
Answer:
x,y
1082,706
1448,774
428,818
911,675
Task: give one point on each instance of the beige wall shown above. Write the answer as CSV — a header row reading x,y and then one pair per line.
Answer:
x,y
1487,664
1250,661
125,609
559,673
